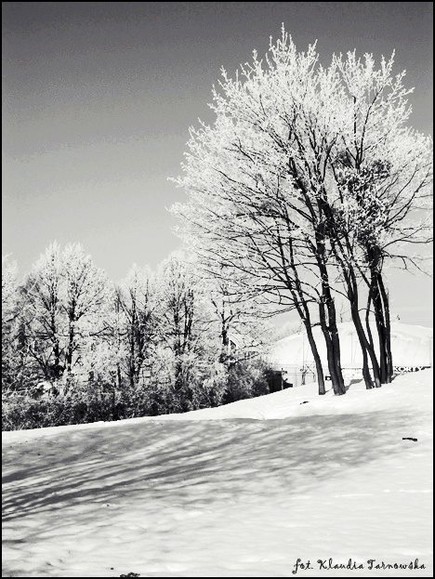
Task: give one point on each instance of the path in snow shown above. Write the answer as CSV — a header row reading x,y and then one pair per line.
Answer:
x,y
235,497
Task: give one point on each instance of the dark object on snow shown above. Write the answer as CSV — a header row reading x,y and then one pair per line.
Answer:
x,y
276,380
131,574
409,438
304,402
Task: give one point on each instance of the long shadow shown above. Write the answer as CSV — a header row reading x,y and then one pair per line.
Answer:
x,y
186,461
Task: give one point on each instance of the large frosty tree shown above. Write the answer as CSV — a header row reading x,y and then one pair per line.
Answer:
x,y
383,173
305,183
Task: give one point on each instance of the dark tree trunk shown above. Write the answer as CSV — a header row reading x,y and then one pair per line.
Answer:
x,y
300,303
118,375
57,368
224,355
335,341
304,313
367,351
367,320
381,308
389,370
70,348
330,333
383,326
328,320
131,373
380,326
365,343
179,382
317,360
371,379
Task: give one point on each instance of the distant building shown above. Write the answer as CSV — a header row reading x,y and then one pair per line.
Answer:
x,y
411,348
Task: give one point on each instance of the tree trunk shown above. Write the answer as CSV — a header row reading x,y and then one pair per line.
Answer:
x,y
316,356
387,335
179,382
380,326
224,355
328,322
118,376
70,348
367,351
365,343
381,309
304,313
383,327
328,319
330,333
367,320
303,310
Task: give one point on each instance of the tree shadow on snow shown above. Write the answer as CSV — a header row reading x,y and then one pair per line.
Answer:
x,y
185,463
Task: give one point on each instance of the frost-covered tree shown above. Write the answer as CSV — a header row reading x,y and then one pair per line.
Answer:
x,y
255,201
383,172
186,330
9,289
238,318
85,294
138,319
268,184
42,315
10,358
62,309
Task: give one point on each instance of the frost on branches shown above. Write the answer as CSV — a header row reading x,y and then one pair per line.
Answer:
x,y
306,185
60,311
79,348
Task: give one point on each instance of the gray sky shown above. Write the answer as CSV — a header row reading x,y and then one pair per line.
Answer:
x,y
98,98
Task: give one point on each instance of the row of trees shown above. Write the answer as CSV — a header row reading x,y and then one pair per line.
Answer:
x,y
306,186
168,332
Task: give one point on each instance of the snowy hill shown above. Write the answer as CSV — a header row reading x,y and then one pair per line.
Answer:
x,y
243,490
411,346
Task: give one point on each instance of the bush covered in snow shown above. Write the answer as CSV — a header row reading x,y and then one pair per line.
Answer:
x,y
92,402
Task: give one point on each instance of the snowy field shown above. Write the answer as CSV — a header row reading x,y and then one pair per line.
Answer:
x,y
243,490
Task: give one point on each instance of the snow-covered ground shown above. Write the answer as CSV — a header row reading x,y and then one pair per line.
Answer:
x,y
242,490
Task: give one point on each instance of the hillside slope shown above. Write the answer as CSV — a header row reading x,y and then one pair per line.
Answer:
x,y
411,346
242,490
